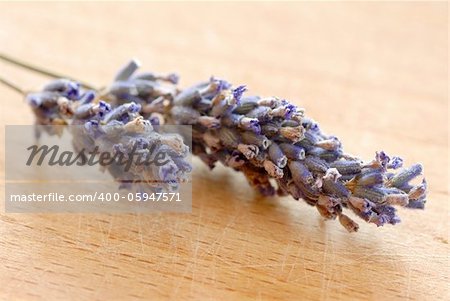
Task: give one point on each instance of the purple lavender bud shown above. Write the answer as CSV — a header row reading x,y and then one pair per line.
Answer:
x,y
271,102
290,109
332,174
348,223
34,100
316,164
369,193
380,220
84,111
369,178
127,70
362,205
45,99
290,123
145,87
122,113
67,88
269,129
382,158
328,202
119,149
202,105
293,134
141,143
335,188
311,137
387,214
150,76
310,193
329,144
255,139
277,156
173,78
300,173
250,151
245,106
418,191
238,92
146,76
189,96
73,91
400,199
185,115
283,111
103,108
405,175
309,147
223,104
417,204
250,124
87,97
156,119
325,212
221,84
261,113
273,170
167,172
390,190
347,167
395,163
292,151
231,120
93,129
329,156
123,89
328,207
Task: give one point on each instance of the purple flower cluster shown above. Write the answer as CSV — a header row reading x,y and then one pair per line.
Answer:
x,y
272,142
118,129
52,105
281,151
153,92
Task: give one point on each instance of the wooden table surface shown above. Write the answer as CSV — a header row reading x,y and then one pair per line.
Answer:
x,y
374,74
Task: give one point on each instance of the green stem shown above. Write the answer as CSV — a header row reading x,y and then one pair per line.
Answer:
x,y
39,70
12,86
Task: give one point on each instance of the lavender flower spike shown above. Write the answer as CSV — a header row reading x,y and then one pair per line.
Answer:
x,y
268,139
115,126
271,138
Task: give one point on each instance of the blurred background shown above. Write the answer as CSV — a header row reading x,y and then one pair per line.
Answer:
x,y
373,74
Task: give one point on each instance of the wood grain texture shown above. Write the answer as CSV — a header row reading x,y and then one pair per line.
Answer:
x,y
374,74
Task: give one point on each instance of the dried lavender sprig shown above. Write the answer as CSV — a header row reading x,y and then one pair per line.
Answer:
x,y
270,138
210,107
62,102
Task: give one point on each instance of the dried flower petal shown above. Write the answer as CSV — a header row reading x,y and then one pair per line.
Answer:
x,y
348,223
